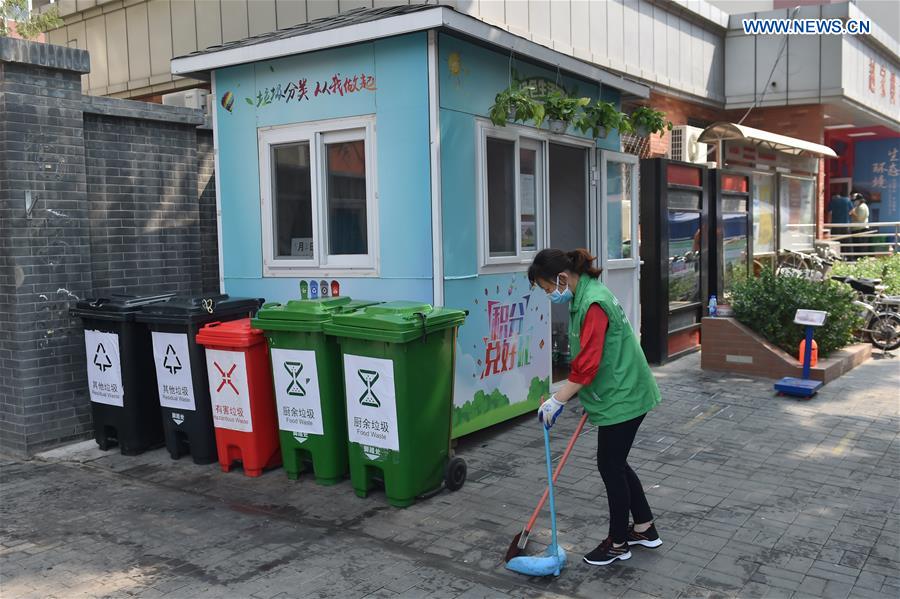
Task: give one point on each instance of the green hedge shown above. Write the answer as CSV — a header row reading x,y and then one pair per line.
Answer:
x,y
766,304
886,268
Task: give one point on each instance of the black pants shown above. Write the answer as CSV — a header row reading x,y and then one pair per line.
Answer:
x,y
623,488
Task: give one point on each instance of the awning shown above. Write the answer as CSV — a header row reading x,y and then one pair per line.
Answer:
x,y
790,145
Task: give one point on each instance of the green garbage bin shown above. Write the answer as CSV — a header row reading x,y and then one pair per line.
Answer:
x,y
398,361
306,371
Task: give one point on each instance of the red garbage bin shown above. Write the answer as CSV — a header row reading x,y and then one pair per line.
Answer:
x,y
240,389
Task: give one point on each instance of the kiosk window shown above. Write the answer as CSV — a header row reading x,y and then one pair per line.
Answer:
x,y
317,197
512,197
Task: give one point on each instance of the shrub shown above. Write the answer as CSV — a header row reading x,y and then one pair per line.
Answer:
x,y
886,268
767,305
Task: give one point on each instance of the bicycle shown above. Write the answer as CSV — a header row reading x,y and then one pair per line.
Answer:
x,y
881,312
798,264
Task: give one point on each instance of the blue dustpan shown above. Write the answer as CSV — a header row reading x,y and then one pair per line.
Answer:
x,y
554,559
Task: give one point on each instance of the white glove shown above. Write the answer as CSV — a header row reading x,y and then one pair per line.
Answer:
x,y
549,411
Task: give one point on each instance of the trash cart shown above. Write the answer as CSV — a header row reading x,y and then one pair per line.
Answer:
x,y
309,386
240,389
398,361
121,382
180,364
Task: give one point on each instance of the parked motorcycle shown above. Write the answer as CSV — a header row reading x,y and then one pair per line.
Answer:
x,y
881,312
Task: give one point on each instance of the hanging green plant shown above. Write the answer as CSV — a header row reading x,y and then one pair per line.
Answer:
x,y
599,118
516,103
561,110
646,121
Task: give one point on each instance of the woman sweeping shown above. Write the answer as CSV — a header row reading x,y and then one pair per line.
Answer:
x,y
611,377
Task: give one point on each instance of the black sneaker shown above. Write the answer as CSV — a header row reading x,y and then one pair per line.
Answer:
x,y
648,538
606,553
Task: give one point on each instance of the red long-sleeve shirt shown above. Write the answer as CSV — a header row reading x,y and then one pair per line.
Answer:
x,y
593,333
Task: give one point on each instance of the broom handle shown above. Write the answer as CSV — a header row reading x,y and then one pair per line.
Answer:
x,y
550,489
559,467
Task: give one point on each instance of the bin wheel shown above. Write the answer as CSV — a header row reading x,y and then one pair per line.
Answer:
x,y
455,474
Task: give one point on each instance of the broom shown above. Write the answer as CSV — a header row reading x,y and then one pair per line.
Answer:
x,y
521,539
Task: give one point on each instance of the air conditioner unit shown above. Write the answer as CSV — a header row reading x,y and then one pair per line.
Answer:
x,y
684,145
191,98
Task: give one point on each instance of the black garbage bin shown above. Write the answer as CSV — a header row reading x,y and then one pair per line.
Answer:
x,y
121,380
180,364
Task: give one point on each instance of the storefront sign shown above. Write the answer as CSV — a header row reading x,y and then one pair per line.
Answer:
x,y
227,371
543,86
882,81
173,371
297,391
868,75
371,402
104,367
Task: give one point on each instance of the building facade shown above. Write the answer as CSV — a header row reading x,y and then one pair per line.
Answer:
x,y
674,45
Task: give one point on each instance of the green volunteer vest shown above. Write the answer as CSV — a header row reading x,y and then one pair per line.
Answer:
x,y
624,387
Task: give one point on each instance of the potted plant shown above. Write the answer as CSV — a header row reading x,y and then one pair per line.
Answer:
x,y
516,103
600,118
561,109
646,121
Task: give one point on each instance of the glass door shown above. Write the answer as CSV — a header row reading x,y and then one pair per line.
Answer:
x,y
764,223
569,218
618,239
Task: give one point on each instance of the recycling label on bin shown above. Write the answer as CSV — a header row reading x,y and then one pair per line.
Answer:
x,y
173,371
104,367
371,402
228,389
297,391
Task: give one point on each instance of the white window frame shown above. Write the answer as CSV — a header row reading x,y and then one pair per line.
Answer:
x,y
318,134
522,137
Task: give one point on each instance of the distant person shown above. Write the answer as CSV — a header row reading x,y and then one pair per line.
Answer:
x,y
859,217
839,214
859,214
839,211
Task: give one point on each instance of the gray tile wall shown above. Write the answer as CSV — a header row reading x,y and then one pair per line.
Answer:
x,y
123,203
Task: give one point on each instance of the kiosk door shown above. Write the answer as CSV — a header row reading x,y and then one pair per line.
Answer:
x,y
618,240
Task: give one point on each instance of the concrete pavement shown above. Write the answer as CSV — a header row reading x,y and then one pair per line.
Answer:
x,y
754,496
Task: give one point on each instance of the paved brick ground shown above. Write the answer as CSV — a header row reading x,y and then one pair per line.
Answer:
x,y
755,496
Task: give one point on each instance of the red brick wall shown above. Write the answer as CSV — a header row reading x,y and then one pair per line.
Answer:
x,y
678,111
803,122
729,346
